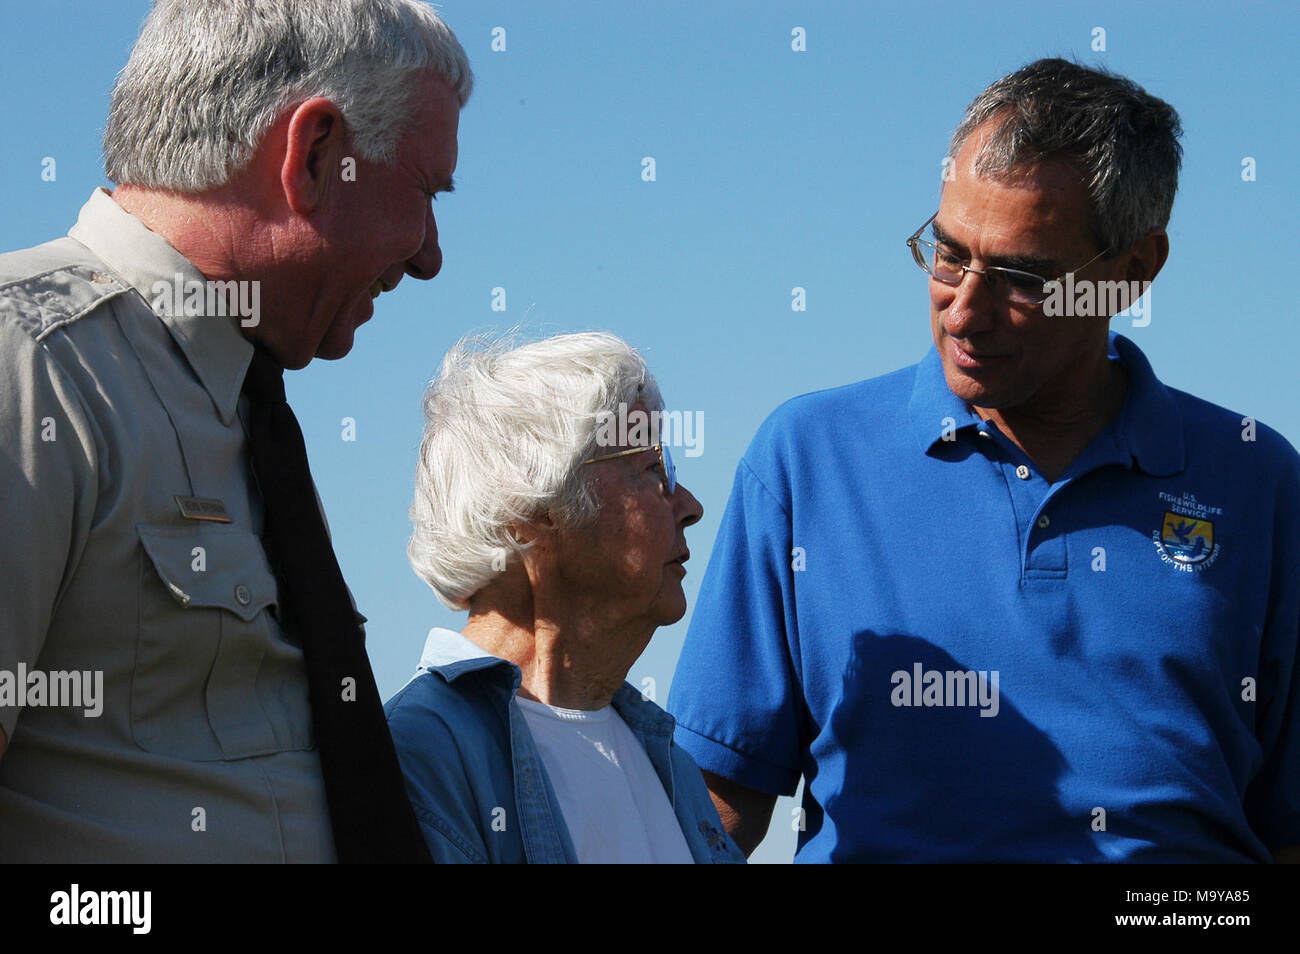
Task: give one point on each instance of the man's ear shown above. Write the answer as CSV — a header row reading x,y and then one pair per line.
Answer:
x,y
313,151
1147,257
537,558
536,532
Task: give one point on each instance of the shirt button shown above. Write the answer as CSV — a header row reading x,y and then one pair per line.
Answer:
x,y
984,434
1044,521
242,595
1022,472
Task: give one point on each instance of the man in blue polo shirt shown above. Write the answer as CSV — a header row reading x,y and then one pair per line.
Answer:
x,y
1021,601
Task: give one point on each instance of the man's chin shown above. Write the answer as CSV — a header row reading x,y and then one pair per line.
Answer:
x,y
968,387
333,354
676,609
338,343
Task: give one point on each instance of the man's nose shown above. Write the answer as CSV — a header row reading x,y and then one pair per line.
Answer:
x,y
689,510
426,262
971,308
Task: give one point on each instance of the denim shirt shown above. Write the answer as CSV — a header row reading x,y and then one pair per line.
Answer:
x,y
476,779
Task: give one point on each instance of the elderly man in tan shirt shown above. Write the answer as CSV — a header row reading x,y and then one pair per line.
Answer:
x,y
131,525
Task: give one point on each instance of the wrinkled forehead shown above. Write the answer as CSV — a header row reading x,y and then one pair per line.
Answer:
x,y
1039,209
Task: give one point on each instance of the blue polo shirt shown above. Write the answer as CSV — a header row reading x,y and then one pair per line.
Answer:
x,y
967,662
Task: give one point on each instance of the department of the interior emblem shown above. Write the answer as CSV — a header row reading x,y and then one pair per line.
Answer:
x,y
1186,536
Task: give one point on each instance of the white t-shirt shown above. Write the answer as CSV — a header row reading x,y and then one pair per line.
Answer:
x,y
614,805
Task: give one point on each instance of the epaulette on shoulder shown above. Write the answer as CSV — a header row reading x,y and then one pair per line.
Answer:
x,y
44,302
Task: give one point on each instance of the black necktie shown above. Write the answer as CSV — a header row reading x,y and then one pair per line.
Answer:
x,y
369,810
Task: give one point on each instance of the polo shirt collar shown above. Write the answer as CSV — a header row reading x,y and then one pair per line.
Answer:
x,y
1149,427
1150,424
932,404
213,346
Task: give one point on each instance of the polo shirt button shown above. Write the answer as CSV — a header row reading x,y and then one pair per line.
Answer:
x,y
985,434
242,595
1022,472
1044,521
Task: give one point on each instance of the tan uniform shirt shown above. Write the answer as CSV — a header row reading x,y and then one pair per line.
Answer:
x,y
203,747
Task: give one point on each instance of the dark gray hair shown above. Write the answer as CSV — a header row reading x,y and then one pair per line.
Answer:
x,y
1123,141
207,78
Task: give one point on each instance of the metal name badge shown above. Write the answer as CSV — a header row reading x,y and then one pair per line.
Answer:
x,y
202,508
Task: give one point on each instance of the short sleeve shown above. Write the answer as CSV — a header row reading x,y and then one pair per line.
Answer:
x,y
1273,800
735,694
48,487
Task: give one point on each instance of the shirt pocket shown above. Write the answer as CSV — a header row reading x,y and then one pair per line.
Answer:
x,y
214,678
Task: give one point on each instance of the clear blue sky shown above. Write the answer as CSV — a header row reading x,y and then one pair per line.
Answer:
x,y
774,169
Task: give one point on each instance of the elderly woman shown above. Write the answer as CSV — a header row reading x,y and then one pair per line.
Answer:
x,y
519,738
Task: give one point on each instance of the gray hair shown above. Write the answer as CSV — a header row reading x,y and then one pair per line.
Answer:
x,y
1123,141
207,78
507,428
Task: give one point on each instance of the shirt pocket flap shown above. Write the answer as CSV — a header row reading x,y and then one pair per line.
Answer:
x,y
213,565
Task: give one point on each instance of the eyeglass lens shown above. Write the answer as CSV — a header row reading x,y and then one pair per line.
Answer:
x,y
670,472
948,268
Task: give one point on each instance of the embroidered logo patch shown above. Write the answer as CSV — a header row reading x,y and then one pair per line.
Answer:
x,y
1186,535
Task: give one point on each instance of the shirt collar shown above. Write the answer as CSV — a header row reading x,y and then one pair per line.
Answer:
x,y
1149,427
933,409
213,346
641,714
451,655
